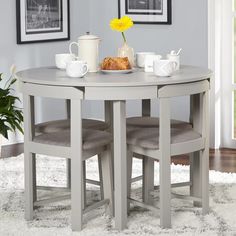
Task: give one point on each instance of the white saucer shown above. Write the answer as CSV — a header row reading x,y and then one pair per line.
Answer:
x,y
117,71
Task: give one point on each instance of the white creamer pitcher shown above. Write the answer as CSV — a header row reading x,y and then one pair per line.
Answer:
x,y
88,50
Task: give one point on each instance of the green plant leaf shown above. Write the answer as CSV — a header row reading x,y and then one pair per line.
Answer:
x,y
4,129
3,92
11,117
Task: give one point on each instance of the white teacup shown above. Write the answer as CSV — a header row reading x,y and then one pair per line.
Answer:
x,y
164,67
141,57
76,69
149,62
61,60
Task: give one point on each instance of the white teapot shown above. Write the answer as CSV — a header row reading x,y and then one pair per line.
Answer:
x,y
88,50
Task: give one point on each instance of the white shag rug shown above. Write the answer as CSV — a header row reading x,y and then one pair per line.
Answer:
x,y
54,219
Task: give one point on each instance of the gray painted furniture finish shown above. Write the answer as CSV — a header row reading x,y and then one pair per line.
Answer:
x,y
198,145
62,125
117,89
67,144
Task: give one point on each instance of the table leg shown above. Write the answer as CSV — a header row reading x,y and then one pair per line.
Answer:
x,y
77,187
148,163
148,180
165,162
120,164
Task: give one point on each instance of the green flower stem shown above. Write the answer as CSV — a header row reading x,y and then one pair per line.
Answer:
x,y
123,35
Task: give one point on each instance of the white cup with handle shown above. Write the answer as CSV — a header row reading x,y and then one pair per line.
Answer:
x,y
141,57
164,67
149,62
76,69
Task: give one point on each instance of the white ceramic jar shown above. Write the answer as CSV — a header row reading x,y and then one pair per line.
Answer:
x,y
88,50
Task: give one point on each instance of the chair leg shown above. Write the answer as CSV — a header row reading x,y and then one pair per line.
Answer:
x,y
205,180
68,173
129,176
68,179
196,176
29,186
107,177
205,155
148,179
34,177
84,196
100,177
165,193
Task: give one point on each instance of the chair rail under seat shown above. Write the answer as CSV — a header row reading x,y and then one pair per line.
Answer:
x,y
62,151
94,206
176,148
183,89
187,147
48,149
59,92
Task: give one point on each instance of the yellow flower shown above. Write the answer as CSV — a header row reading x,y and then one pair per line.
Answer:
x,y
122,24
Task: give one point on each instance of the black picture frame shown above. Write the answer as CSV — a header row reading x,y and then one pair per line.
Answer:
x,y
51,22
138,17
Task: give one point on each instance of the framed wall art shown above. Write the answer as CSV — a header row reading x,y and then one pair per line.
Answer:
x,y
146,11
42,20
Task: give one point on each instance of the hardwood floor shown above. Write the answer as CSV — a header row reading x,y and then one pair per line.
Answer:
x,y
223,160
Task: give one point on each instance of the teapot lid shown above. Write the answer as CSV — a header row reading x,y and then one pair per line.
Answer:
x,y
88,36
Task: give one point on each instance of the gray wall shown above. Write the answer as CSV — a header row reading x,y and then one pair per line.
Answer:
x,y
188,30
40,54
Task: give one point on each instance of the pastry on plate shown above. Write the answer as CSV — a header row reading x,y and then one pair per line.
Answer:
x,y
116,63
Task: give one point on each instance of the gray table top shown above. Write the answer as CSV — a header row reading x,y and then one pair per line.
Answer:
x,y
54,76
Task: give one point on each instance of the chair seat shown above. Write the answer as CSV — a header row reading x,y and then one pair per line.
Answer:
x,y
59,125
148,122
149,137
91,138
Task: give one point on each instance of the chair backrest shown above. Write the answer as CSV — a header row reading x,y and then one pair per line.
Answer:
x,y
199,103
32,90
177,90
60,92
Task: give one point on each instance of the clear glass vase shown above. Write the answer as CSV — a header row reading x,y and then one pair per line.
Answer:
x,y
126,51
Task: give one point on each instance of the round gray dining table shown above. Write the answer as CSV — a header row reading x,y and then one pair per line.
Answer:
x,y
116,88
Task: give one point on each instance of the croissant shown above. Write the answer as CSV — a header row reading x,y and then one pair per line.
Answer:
x,y
116,63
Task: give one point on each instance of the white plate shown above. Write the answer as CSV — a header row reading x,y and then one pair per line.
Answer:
x,y
117,71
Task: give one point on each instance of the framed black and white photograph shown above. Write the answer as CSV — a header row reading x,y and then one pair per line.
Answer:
x,y
42,20
146,11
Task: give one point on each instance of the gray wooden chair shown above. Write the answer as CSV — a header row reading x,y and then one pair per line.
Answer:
x,y
64,124
74,144
147,175
166,140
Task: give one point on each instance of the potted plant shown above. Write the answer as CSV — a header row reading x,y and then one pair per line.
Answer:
x,y
11,116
